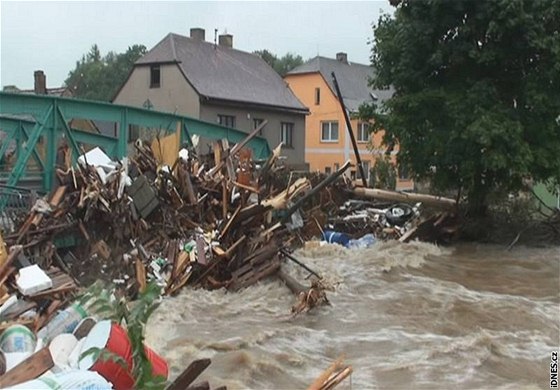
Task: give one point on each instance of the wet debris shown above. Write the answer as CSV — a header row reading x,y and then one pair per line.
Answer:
x,y
332,376
216,221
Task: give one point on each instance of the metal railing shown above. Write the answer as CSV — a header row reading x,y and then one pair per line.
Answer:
x,y
18,202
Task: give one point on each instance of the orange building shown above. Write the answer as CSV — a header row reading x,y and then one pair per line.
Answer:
x,y
327,143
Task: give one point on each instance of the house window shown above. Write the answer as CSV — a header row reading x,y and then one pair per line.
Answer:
x,y
317,96
155,76
328,170
363,132
403,172
329,131
286,134
336,166
227,120
366,166
133,133
256,123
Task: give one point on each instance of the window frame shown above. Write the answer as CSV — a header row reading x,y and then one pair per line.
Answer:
x,y
224,120
330,139
153,69
256,123
290,127
367,170
361,130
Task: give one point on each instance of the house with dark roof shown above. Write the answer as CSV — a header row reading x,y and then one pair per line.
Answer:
x,y
327,143
216,83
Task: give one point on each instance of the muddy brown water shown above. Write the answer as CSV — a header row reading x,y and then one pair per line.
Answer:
x,y
405,315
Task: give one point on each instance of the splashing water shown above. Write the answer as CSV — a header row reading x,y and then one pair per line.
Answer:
x,y
405,315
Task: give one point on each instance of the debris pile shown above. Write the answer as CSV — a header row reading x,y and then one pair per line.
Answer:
x,y
219,221
192,223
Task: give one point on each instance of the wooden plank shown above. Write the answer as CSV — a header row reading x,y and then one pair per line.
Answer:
x,y
12,255
140,274
230,222
251,273
16,309
190,189
58,196
224,199
204,385
237,148
31,368
189,375
41,320
318,383
408,235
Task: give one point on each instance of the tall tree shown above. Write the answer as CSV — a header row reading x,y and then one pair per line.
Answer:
x,y
98,78
281,65
476,102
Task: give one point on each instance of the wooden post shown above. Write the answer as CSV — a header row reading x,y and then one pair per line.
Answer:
x,y
350,132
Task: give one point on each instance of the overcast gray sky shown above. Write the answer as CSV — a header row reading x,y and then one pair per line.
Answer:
x,y
52,36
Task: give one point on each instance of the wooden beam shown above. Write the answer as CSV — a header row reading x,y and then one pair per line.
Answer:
x,y
31,368
189,375
407,197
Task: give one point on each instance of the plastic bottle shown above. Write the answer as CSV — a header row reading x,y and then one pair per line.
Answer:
x,y
64,322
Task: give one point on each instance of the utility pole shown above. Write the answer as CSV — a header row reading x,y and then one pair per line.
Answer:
x,y
349,127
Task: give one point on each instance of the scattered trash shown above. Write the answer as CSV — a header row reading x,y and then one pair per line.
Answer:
x,y
217,221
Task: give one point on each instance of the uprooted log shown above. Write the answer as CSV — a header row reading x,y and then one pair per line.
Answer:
x,y
408,197
307,297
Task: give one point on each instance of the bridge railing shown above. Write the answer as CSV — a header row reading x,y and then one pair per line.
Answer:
x,y
18,202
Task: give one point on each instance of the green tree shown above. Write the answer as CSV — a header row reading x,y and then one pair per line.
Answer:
x,y
98,78
281,65
476,104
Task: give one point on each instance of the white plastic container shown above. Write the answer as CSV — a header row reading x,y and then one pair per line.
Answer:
x,y
65,322
18,338
60,348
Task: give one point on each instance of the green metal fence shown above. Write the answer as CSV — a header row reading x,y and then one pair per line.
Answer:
x,y
36,123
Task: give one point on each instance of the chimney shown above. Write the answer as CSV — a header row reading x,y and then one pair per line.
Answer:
x,y
226,40
197,33
342,57
40,83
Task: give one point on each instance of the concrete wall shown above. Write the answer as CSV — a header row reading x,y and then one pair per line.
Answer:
x,y
244,122
174,94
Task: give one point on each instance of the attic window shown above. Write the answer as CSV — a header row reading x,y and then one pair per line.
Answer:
x,y
155,76
317,96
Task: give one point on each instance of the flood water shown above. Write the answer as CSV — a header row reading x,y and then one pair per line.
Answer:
x,y
405,315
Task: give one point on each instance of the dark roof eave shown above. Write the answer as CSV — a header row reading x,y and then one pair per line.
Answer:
x,y
167,62
216,100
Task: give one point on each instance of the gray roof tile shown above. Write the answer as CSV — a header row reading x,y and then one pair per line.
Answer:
x,y
222,73
352,79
